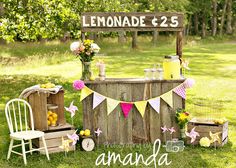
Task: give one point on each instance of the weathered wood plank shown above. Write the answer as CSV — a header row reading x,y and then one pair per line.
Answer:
x,y
38,102
179,44
125,124
113,123
165,110
177,103
155,118
139,132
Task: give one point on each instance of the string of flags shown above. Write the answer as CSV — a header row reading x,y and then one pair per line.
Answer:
x,y
126,107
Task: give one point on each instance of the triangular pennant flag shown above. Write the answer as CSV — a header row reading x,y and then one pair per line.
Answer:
x,y
180,90
97,99
141,106
85,92
167,97
155,103
126,107
111,105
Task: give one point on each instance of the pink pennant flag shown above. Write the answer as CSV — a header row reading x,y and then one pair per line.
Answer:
x,y
155,103
180,90
97,99
126,107
188,83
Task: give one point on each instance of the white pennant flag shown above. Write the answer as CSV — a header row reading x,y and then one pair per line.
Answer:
x,y
155,103
97,99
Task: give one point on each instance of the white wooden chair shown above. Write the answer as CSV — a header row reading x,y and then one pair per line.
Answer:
x,y
19,114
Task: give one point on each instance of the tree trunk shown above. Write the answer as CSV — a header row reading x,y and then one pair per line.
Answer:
x,y
121,37
134,39
196,23
203,26
223,18
214,17
229,17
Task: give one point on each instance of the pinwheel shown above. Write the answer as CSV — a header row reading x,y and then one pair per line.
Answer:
x,y
215,137
172,130
65,145
72,110
192,134
98,132
164,129
74,137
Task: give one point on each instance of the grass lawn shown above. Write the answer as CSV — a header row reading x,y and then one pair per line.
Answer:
x,y
212,63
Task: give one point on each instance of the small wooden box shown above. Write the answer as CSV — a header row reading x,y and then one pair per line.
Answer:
x,y
39,101
204,128
53,141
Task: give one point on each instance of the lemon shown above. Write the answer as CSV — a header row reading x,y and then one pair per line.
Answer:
x,y
87,132
81,132
49,122
54,115
50,118
49,113
42,85
92,78
53,123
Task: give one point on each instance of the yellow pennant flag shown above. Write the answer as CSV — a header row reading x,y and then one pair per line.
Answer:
x,y
85,92
141,106
111,105
167,97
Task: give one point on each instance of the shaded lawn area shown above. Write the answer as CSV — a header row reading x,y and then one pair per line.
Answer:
x,y
213,66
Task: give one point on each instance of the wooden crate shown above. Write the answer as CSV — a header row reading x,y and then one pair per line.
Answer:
x,y
203,128
39,101
53,141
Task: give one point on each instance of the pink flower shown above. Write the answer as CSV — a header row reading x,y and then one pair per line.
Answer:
x,y
186,113
81,48
78,84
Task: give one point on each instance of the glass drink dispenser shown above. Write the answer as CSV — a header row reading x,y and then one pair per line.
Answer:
x,y
171,66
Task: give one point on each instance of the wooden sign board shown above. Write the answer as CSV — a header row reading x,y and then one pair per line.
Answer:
x,y
132,21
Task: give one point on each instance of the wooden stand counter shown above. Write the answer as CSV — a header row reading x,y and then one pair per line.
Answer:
x,y
134,129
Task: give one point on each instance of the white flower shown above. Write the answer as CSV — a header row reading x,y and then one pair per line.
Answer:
x,y
74,46
95,48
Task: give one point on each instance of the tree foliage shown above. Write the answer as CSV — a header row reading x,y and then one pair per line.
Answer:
x,y
32,20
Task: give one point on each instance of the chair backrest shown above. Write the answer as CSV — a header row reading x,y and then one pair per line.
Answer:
x,y
19,115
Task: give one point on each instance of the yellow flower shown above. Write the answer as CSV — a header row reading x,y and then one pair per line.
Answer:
x,y
182,117
205,142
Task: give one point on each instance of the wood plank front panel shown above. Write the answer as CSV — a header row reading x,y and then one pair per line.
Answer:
x,y
134,129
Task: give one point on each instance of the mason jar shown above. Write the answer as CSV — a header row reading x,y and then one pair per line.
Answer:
x,y
171,66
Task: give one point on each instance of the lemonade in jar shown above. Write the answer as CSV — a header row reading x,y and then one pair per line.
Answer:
x,y
171,66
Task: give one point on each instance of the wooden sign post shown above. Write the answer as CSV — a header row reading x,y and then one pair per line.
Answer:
x,y
134,21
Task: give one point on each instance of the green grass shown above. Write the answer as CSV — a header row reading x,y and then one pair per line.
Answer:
x,y
212,63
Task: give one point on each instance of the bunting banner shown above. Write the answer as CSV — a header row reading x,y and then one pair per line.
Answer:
x,y
155,104
111,105
141,106
97,99
126,108
180,90
85,92
167,97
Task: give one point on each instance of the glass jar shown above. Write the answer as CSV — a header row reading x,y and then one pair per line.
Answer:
x,y
171,66
159,74
52,115
154,73
147,74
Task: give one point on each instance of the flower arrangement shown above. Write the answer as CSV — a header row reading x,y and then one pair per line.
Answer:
x,y
205,142
85,50
182,117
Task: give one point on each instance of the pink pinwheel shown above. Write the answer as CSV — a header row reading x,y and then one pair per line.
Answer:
x,y
172,130
98,132
74,137
164,129
192,134
71,109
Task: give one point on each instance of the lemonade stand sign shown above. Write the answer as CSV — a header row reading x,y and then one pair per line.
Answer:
x,y
134,21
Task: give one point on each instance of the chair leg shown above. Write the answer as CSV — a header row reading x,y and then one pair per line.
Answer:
x,y
45,147
23,151
10,149
30,146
